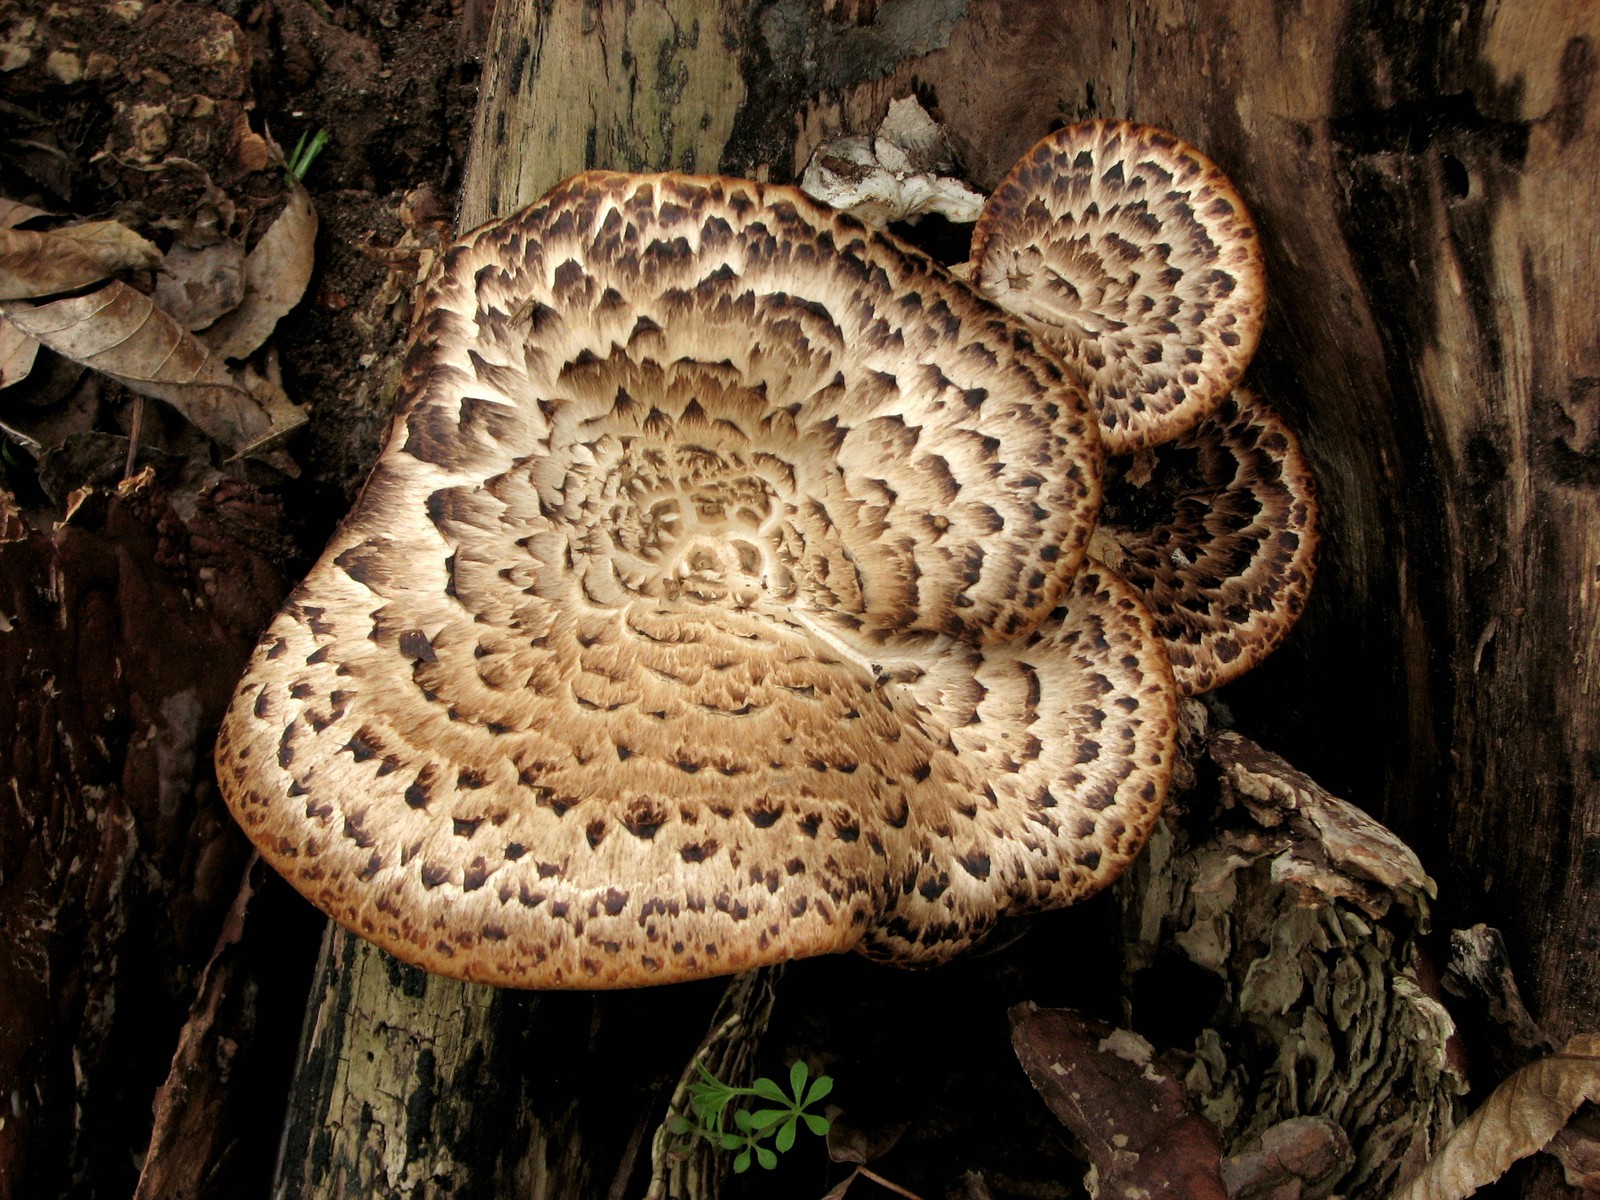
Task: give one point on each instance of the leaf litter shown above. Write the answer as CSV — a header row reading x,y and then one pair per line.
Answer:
x,y
1520,1117
135,340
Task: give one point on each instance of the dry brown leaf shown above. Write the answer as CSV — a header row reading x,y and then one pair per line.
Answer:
x,y
282,416
17,352
1577,1149
14,213
17,349
122,333
199,285
275,276
34,264
1133,1121
1524,1113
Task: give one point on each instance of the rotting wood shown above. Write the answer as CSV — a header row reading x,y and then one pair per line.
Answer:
x,y
1290,923
121,631
1422,190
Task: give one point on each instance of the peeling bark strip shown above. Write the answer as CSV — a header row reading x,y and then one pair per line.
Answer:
x,y
1132,1121
229,1074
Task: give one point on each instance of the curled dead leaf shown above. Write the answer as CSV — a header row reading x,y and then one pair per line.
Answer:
x,y
124,334
275,276
199,285
34,264
1523,1114
14,213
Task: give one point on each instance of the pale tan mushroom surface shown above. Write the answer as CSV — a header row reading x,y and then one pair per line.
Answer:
x,y
715,601
1128,251
1218,532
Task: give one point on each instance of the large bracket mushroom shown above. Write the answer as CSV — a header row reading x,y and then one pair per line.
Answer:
x,y
715,601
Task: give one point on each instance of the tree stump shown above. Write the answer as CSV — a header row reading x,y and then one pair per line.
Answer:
x,y
1423,184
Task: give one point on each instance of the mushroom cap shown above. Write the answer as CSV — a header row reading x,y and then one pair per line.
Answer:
x,y
1218,531
785,806
1064,741
1129,252
608,677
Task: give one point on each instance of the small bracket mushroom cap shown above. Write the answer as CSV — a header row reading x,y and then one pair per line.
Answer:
x,y
1218,532
1130,253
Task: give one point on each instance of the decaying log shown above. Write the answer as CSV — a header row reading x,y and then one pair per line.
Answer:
x,y
1423,185
406,1078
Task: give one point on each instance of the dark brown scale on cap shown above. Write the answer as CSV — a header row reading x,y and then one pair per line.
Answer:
x,y
615,680
1218,531
1128,251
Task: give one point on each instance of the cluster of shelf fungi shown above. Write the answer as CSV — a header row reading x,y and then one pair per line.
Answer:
x,y
737,585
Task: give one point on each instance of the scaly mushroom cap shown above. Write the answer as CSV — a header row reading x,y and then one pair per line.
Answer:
x,y
619,672
1218,532
1063,742
1130,252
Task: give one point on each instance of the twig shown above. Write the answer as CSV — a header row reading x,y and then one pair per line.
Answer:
x,y
867,1173
134,430
882,1182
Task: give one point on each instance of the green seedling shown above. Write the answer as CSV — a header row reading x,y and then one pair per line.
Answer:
x,y
709,1101
305,153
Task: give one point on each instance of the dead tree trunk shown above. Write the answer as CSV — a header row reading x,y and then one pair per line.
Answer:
x,y
1424,185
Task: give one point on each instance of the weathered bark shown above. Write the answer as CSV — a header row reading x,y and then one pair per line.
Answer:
x,y
121,633
624,87
410,1083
